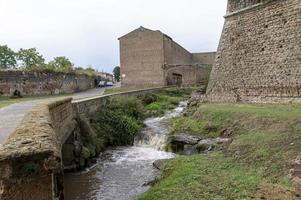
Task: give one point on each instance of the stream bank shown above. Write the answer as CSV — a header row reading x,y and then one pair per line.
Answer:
x,y
125,172
127,134
261,160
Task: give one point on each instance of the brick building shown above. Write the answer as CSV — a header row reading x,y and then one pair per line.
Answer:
x,y
152,58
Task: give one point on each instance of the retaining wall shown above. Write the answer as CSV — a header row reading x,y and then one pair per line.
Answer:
x,y
31,164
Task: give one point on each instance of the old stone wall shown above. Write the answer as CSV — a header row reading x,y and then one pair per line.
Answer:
x,y
204,58
43,83
259,55
30,160
141,58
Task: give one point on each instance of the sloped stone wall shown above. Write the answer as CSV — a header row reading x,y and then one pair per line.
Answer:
x,y
259,55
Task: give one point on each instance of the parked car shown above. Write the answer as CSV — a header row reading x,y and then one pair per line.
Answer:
x,y
101,84
109,83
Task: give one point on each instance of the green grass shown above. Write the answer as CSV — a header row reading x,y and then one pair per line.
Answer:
x,y
5,101
205,177
122,89
164,102
266,139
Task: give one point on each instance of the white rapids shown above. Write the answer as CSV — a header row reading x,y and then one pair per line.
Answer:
x,y
121,173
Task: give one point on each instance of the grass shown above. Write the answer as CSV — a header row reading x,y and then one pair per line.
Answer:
x,y
168,99
6,101
205,177
122,89
266,139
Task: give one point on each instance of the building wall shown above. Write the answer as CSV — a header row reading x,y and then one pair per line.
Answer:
x,y
259,54
191,74
174,53
204,58
147,55
42,83
141,58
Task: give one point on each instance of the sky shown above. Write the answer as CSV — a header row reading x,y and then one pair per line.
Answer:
x,y
87,31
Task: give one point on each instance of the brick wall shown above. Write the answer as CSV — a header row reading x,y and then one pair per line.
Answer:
x,y
259,55
42,83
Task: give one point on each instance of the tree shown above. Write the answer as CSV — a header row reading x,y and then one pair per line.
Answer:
x,y
31,59
61,64
7,58
116,72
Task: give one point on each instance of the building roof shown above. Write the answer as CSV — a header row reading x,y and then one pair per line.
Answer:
x,y
141,28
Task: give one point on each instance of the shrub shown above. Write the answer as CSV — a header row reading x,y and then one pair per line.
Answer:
x,y
119,120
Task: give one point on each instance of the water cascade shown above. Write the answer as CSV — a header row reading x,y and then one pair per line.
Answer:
x,y
121,173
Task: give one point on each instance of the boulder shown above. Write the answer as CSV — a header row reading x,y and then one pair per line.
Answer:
x,y
185,139
159,164
190,150
213,141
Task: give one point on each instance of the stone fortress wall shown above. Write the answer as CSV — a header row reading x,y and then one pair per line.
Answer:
x,y
43,83
259,55
150,58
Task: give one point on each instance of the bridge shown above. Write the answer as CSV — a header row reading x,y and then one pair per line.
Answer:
x,y
32,158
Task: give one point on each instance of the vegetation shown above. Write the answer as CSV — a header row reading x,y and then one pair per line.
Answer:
x,y
120,118
116,72
32,60
7,58
255,164
122,89
115,123
61,64
168,99
6,101
206,77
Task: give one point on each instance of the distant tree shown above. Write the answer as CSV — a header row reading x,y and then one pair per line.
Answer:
x,y
7,58
31,59
61,64
116,72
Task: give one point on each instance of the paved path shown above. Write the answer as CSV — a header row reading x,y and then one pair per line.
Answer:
x,y
12,115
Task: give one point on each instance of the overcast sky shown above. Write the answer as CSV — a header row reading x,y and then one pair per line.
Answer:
x,y
86,31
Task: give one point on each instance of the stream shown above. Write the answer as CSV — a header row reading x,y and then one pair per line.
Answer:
x,y
121,172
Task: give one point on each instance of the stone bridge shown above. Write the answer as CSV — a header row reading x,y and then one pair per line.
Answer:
x,y
32,159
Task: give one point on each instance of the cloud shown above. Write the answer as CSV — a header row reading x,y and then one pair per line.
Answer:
x,y
86,31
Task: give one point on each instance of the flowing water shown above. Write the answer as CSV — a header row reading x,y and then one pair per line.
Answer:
x,y
121,173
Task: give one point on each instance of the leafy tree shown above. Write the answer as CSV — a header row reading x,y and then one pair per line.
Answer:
x,y
61,64
90,71
116,72
31,59
7,58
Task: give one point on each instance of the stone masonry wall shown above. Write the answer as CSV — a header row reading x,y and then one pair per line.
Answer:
x,y
174,53
145,53
42,83
204,58
259,55
141,58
